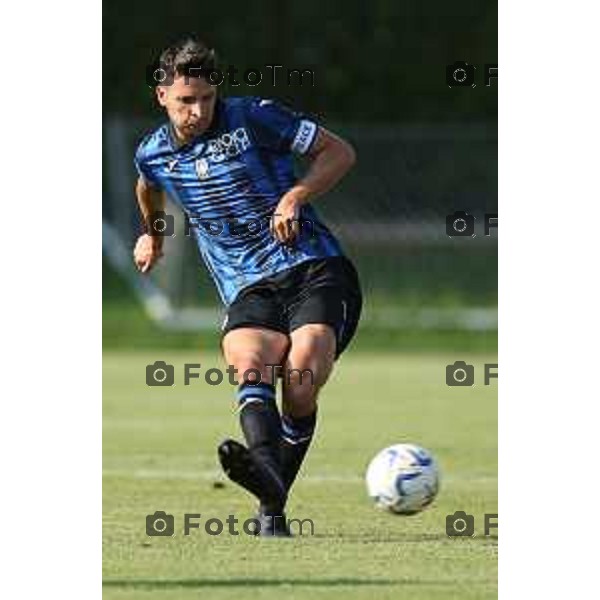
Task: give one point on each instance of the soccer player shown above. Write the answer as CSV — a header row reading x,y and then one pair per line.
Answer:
x,y
293,299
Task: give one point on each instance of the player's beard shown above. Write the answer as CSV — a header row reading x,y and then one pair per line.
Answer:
x,y
190,130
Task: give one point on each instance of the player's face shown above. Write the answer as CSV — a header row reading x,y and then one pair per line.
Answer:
x,y
190,105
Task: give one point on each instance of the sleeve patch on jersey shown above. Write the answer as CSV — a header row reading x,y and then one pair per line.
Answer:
x,y
304,137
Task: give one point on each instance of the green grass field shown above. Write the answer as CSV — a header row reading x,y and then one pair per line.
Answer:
x,y
159,454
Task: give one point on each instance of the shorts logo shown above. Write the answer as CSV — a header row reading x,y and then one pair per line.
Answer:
x,y
202,168
344,318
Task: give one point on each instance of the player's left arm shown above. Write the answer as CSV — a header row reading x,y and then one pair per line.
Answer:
x,y
331,158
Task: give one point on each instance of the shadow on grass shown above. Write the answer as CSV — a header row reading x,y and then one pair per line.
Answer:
x,y
407,538
382,539
242,582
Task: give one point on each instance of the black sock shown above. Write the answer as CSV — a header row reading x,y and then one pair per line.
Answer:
x,y
261,424
296,436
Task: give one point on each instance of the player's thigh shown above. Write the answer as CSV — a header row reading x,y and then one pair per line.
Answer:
x,y
332,296
311,355
246,348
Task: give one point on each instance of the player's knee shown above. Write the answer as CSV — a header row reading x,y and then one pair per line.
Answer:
x,y
313,352
305,380
253,368
253,354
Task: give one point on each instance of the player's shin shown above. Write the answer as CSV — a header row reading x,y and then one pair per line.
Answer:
x,y
296,436
260,422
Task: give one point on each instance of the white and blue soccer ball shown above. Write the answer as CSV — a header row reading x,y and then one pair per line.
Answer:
x,y
403,479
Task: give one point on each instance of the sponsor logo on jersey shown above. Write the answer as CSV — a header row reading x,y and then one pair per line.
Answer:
x,y
228,145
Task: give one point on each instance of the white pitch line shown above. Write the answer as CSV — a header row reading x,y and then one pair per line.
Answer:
x,y
315,478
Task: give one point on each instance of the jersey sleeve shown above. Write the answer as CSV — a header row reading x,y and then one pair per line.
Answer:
x,y
278,128
143,169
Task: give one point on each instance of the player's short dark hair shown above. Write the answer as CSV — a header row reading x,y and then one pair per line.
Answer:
x,y
188,57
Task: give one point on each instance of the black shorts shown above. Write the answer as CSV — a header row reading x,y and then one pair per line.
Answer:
x,y
316,291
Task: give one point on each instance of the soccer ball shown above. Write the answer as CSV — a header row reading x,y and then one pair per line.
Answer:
x,y
403,479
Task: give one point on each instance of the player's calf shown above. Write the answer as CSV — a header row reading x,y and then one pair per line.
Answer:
x,y
260,422
312,353
253,349
308,366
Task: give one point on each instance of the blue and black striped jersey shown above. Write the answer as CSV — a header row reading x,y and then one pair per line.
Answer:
x,y
228,181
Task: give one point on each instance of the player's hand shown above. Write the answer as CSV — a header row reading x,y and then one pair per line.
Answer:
x,y
285,224
147,251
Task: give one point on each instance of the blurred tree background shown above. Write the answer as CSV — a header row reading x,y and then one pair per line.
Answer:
x,y
425,150
376,61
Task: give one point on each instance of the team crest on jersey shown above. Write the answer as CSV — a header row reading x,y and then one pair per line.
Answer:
x,y
202,168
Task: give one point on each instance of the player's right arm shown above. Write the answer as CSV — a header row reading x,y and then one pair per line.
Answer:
x,y
148,248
